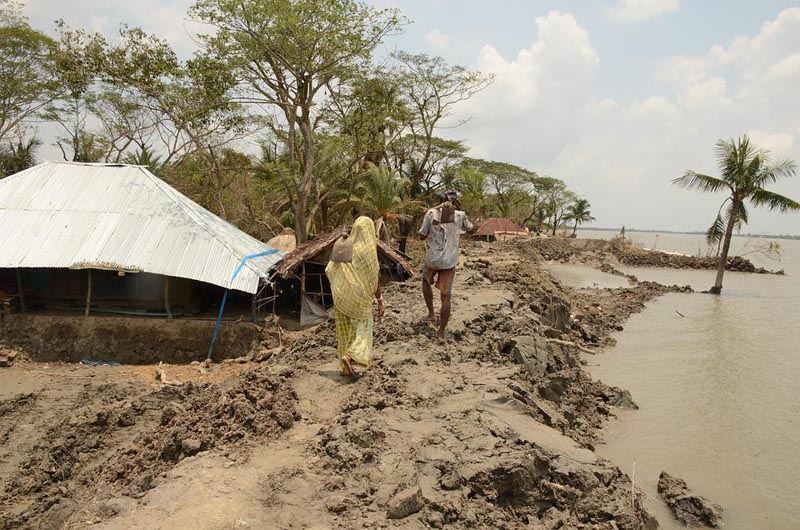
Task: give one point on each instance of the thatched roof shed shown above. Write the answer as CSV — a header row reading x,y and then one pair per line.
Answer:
x,y
318,251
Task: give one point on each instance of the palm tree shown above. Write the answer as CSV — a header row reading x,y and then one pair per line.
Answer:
x,y
471,184
379,194
18,157
578,212
144,157
745,172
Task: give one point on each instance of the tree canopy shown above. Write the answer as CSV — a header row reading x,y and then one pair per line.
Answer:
x,y
288,113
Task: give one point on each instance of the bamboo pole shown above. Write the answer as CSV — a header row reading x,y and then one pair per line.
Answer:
x,y
253,304
166,298
88,293
20,291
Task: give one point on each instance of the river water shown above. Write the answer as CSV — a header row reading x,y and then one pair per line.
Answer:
x,y
718,383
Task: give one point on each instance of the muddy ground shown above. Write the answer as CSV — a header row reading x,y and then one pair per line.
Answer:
x,y
494,429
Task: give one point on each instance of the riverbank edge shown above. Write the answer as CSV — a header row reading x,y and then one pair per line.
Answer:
x,y
530,341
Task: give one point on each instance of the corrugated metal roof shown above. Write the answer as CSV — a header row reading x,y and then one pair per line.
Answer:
x,y
113,216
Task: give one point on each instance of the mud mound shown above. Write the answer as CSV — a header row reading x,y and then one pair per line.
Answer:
x,y
689,508
638,257
18,404
120,443
465,470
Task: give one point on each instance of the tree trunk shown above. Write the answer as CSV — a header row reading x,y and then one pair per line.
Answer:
x,y
726,245
302,220
575,229
300,233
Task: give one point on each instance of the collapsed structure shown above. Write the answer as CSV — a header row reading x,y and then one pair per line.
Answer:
x,y
113,238
301,273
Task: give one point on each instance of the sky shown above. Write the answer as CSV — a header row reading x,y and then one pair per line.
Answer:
x,y
615,97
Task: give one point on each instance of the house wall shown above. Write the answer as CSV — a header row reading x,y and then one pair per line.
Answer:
x,y
65,289
50,338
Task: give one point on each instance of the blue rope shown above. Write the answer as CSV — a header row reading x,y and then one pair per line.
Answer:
x,y
225,296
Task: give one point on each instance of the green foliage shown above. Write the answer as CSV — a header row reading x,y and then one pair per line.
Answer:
x,y
288,54
338,134
144,157
579,212
17,156
27,84
745,170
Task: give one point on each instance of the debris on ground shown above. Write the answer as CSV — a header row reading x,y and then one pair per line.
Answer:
x,y
494,429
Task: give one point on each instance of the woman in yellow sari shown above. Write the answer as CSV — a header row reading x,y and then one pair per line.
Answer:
x,y
354,284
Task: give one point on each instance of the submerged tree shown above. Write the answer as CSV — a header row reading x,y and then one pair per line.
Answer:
x,y
745,171
578,212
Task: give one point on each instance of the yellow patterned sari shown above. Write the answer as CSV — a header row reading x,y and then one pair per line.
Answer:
x,y
353,286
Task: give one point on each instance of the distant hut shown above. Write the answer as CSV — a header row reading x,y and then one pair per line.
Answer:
x,y
498,229
302,273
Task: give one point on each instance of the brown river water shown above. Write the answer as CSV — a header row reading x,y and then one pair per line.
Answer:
x,y
719,387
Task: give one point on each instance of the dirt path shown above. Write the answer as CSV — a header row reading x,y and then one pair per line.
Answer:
x,y
493,429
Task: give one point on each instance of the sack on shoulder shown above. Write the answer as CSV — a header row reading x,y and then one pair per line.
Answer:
x,y
342,250
448,214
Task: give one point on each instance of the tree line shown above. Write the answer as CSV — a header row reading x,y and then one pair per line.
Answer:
x,y
285,116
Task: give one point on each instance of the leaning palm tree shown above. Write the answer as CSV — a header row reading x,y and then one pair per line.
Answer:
x,y
578,212
745,172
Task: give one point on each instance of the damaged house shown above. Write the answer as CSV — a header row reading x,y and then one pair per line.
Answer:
x,y
111,239
301,273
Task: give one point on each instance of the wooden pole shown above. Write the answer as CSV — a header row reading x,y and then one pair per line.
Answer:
x,y
166,298
303,281
253,303
88,293
20,291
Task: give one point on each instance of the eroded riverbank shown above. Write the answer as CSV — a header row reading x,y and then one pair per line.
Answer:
x,y
494,428
715,378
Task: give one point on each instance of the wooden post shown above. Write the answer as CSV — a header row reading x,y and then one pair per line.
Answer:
x,y
88,293
303,281
21,293
166,298
253,303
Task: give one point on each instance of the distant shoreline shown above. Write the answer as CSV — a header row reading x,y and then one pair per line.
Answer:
x,y
695,233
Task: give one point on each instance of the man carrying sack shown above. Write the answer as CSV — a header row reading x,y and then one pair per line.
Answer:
x,y
442,228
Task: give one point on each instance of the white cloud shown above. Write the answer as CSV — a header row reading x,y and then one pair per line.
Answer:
x,y
780,145
627,11
167,19
542,112
437,40
559,65
709,95
543,81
